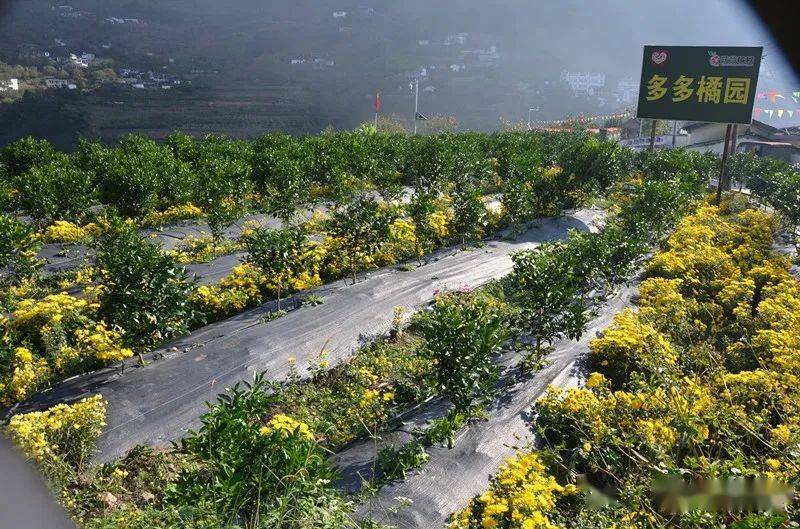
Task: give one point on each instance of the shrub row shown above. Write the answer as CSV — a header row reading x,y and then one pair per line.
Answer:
x,y
698,383
281,173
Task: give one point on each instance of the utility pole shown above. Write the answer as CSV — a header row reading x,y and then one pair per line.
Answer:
x,y
416,103
530,125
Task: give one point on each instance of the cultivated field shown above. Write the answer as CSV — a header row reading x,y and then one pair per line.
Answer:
x,y
362,330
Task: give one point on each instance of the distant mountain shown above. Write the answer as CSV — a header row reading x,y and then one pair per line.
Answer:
x,y
243,67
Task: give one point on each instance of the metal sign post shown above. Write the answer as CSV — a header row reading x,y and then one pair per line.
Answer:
x,y
722,165
653,135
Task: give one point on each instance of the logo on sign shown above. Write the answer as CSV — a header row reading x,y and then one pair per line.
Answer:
x,y
659,56
714,59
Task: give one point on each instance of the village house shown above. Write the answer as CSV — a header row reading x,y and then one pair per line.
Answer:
x,y
83,61
120,20
10,85
52,82
320,63
583,83
757,137
627,90
458,38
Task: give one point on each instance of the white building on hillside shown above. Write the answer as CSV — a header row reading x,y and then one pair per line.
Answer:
x,y
52,82
584,83
627,90
10,85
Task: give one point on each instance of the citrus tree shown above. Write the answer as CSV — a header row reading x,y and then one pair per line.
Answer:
x,y
277,253
18,247
360,227
24,154
469,211
141,175
55,190
544,284
462,333
145,292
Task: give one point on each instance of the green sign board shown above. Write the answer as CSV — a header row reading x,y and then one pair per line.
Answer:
x,y
699,83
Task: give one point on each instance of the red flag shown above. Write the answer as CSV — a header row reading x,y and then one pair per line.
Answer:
x,y
377,103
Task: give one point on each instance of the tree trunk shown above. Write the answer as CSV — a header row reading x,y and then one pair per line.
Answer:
x,y
279,296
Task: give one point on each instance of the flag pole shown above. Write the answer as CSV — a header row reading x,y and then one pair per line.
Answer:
x,y
377,105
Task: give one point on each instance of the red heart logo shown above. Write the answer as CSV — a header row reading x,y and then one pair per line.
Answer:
x,y
659,57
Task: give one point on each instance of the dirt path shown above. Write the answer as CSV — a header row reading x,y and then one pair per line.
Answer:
x,y
452,477
157,403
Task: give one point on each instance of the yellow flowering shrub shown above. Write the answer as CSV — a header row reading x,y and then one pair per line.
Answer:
x,y
630,344
317,221
242,288
171,214
103,343
58,336
656,433
440,222
522,495
286,425
83,275
203,249
65,231
402,243
64,433
27,375
32,313
661,302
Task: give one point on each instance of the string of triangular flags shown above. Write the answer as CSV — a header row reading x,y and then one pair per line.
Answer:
x,y
584,119
775,112
774,95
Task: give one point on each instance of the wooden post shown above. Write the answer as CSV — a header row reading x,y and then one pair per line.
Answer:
x,y
653,135
725,147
